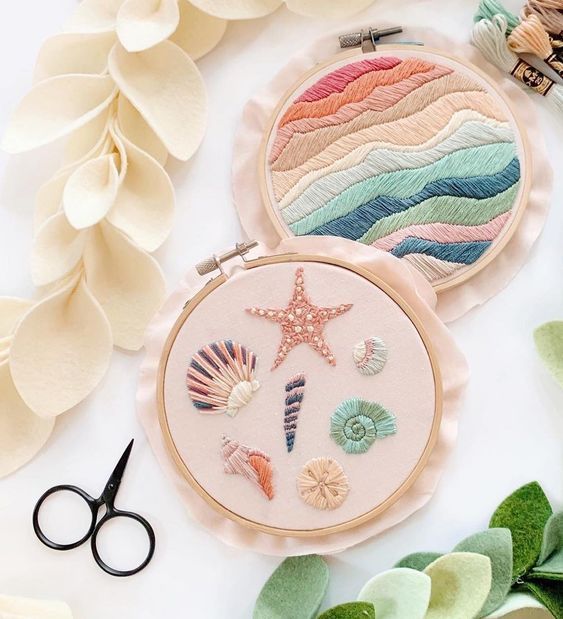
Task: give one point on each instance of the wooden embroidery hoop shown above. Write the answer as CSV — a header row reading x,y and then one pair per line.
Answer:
x,y
525,154
172,449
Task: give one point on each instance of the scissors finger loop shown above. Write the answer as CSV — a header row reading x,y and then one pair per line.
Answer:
x,y
92,505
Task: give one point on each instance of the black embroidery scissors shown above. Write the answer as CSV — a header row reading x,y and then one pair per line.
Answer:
x,y
106,500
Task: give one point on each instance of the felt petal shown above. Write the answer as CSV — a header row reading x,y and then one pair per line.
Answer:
x,y
85,141
517,603
327,8
22,432
56,107
296,589
198,32
49,199
133,127
418,560
90,191
238,9
549,342
12,310
144,206
57,249
166,87
144,23
497,545
126,281
550,594
461,582
61,350
73,53
351,610
551,555
525,513
400,593
26,608
94,16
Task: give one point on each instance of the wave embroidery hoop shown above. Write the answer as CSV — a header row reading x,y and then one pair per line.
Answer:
x,y
386,483
320,151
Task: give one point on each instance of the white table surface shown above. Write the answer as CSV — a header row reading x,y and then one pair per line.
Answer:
x,y
510,426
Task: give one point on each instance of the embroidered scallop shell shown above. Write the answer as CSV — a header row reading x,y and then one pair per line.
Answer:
x,y
370,356
221,378
252,464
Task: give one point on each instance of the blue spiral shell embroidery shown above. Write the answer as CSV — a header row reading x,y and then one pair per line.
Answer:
x,y
357,423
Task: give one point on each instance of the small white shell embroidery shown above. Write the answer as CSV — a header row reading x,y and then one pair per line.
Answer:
x,y
370,356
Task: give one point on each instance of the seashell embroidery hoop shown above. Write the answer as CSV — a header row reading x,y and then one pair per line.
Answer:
x,y
258,505
396,148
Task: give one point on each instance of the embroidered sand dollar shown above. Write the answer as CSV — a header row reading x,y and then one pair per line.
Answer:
x,y
293,460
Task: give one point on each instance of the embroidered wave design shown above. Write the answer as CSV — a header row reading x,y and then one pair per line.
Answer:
x,y
413,158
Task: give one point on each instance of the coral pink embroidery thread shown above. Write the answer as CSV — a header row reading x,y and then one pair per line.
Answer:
x,y
302,322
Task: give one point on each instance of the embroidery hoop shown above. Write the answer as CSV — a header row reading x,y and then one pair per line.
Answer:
x,y
173,450
472,285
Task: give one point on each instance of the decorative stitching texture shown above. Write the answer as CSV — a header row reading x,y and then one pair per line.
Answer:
x,y
221,378
412,157
294,391
252,464
370,356
322,483
302,322
356,424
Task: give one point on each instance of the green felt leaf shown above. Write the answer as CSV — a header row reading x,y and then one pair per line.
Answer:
x,y
497,545
400,593
296,589
418,560
525,513
520,603
538,575
461,582
551,555
352,610
550,594
549,342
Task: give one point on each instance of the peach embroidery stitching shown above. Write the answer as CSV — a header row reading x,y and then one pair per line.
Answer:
x,y
322,483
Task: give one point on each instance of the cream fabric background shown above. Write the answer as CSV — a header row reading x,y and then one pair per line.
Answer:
x,y
510,426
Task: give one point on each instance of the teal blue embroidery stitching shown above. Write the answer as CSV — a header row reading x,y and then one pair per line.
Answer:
x,y
356,423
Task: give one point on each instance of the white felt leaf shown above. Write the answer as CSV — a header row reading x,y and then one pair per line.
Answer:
x,y
49,199
238,9
144,23
520,606
327,8
26,608
90,191
198,32
57,249
400,593
12,310
461,582
94,16
56,107
22,434
164,84
61,350
73,53
127,282
85,142
144,205
134,128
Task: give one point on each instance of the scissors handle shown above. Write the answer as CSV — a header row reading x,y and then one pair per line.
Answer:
x,y
112,514
92,503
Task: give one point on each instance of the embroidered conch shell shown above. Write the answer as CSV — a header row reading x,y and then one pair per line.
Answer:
x,y
221,378
370,356
251,463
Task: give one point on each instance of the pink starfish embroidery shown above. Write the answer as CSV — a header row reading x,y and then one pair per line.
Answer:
x,y
301,322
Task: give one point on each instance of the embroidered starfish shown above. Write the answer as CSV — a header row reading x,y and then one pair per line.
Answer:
x,y
301,322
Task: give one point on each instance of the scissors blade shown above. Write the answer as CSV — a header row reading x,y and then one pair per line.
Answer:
x,y
114,480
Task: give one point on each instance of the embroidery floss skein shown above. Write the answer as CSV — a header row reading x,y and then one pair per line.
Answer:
x,y
550,17
531,38
489,36
490,8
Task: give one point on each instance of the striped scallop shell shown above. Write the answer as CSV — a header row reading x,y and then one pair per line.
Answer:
x,y
370,356
221,378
